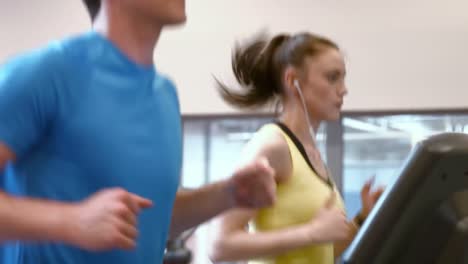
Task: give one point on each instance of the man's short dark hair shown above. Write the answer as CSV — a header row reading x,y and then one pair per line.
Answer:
x,y
93,7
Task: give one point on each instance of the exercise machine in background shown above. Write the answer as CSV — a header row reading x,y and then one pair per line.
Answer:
x,y
423,216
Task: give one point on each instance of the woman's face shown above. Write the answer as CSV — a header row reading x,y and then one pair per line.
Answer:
x,y
322,82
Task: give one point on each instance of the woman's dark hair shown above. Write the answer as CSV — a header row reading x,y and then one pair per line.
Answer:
x,y
93,7
258,66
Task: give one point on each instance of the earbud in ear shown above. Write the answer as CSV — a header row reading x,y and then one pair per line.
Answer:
x,y
296,84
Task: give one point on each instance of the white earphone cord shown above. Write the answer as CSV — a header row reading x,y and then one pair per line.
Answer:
x,y
309,125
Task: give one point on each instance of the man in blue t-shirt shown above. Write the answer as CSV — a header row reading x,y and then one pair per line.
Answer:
x,y
90,147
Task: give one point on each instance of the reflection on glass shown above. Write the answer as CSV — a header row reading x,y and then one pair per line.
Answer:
x,y
194,153
376,146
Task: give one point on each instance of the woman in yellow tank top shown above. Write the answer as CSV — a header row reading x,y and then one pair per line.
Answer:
x,y
305,74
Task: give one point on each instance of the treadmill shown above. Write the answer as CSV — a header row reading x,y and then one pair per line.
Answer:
x,y
423,216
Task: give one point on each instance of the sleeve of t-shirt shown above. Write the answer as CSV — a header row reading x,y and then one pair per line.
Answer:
x,y
27,100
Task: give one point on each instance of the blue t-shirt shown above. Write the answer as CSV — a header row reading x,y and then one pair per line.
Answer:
x,y
81,117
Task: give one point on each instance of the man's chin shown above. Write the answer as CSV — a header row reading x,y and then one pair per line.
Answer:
x,y
179,21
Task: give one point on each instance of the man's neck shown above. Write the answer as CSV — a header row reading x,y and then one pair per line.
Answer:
x,y
135,38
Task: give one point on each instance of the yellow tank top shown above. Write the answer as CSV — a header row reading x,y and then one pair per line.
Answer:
x,y
298,199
